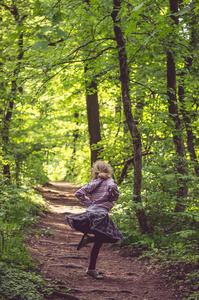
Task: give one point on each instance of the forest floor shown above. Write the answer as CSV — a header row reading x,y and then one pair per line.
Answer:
x,y
125,276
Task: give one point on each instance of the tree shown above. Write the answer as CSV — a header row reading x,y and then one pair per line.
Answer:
x,y
137,144
93,117
18,19
191,25
174,115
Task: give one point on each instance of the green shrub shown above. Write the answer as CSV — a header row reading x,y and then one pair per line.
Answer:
x,y
20,208
20,284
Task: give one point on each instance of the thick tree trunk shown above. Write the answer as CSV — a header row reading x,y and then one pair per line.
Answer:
x,y
176,127
137,145
93,118
92,113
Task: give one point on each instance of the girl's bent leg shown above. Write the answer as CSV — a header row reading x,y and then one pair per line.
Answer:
x,y
86,239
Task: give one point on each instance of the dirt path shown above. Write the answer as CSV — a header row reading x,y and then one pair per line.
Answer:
x,y
125,277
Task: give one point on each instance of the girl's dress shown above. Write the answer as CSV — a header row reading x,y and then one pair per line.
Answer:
x,y
96,220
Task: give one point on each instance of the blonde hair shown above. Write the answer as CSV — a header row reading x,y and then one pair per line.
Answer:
x,y
101,169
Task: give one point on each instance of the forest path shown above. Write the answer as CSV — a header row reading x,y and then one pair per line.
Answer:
x,y
125,277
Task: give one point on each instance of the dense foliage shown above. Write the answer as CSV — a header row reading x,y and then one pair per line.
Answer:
x,y
53,56
20,278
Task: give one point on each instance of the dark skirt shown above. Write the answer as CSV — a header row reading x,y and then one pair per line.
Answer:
x,y
96,223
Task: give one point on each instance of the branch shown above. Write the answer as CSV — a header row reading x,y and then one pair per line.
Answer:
x,y
74,52
126,164
153,93
130,160
70,62
99,54
55,43
134,55
8,8
159,7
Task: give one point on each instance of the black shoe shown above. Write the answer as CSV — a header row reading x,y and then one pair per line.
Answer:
x,y
83,242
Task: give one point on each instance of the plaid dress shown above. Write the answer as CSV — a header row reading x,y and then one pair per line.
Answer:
x,y
96,223
96,220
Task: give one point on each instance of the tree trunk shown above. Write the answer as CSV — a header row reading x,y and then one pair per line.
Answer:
x,y
5,140
137,145
181,93
8,114
93,118
71,171
75,135
92,113
176,126
188,125
17,172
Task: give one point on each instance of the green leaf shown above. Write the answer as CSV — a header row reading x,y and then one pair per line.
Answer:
x,y
57,17
136,8
42,44
183,12
37,7
61,33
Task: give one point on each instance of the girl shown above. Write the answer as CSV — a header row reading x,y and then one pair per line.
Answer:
x,y
100,193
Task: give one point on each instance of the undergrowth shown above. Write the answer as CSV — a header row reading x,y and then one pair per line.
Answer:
x,y
173,244
19,276
22,284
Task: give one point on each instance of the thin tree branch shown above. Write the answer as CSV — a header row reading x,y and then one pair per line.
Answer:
x,y
130,160
152,92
